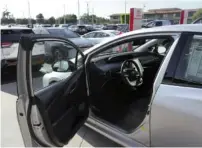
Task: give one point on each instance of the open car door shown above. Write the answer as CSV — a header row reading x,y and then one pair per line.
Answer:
x,y
52,115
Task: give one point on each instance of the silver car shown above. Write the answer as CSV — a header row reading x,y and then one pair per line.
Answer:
x,y
101,35
148,96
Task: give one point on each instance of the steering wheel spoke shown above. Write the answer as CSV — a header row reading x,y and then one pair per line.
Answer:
x,y
131,74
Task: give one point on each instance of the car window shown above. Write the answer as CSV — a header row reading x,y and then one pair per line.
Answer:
x,y
150,24
101,35
159,23
13,35
63,32
133,47
59,63
198,21
115,32
190,66
89,35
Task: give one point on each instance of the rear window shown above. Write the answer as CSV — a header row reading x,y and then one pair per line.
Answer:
x,y
82,27
63,33
13,35
159,23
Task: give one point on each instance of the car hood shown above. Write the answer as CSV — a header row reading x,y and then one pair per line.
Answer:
x,y
82,43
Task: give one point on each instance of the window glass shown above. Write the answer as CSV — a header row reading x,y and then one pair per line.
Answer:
x,y
97,35
150,24
63,32
190,67
89,35
12,35
53,61
101,35
159,23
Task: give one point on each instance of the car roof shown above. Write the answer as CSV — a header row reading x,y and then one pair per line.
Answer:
x,y
106,31
58,28
14,27
171,28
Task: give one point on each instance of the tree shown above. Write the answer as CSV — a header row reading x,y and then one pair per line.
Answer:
x,y
7,17
88,19
51,20
40,18
22,21
69,18
197,14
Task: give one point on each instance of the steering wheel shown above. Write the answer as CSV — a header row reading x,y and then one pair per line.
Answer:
x,y
131,73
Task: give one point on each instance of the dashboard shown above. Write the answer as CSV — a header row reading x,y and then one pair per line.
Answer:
x,y
113,63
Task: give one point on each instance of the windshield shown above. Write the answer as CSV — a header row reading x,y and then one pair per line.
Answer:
x,y
63,32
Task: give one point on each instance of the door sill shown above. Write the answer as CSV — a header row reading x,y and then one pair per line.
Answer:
x,y
109,125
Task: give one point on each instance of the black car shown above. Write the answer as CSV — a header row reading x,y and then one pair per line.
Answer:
x,y
81,29
56,50
110,27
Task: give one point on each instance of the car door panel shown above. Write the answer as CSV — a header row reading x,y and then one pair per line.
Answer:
x,y
63,104
176,118
176,110
59,110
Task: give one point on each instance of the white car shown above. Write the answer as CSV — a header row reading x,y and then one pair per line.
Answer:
x,y
101,35
108,92
10,37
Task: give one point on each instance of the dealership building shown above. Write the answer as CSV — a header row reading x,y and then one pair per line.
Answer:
x,y
172,14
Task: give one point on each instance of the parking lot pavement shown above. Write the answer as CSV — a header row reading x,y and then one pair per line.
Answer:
x,y
10,134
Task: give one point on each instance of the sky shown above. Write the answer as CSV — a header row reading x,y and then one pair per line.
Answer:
x,y
102,8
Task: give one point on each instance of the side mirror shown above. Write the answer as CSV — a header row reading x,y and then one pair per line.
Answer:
x,y
60,66
161,50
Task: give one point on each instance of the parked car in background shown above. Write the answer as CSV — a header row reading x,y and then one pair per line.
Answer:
x,y
146,21
46,25
81,29
148,97
99,36
64,25
157,23
110,27
123,27
98,27
54,51
10,37
197,21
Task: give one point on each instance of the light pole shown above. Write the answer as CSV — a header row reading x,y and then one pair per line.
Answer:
x,y
87,7
64,15
92,16
29,15
79,12
143,11
125,12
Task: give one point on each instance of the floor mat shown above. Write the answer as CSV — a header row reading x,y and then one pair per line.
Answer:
x,y
125,117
